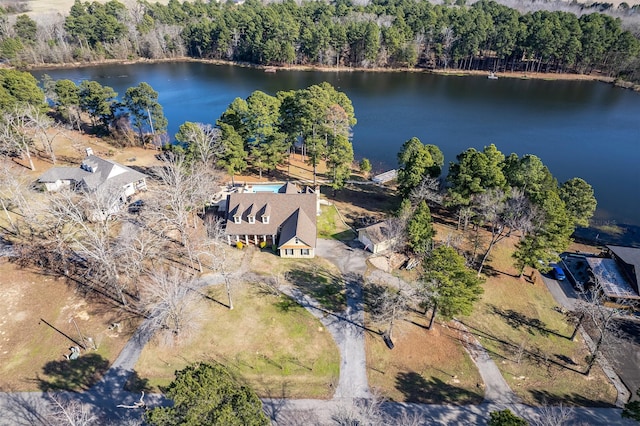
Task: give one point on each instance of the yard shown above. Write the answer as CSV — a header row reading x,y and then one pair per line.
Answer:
x,y
41,318
268,341
425,366
527,335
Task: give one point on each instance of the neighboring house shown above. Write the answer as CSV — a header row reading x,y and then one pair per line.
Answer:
x,y
95,174
286,219
377,238
619,275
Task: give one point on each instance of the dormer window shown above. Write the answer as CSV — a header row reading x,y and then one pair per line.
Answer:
x,y
266,213
237,219
251,214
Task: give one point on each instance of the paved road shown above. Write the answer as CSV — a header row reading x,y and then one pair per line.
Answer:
x,y
316,412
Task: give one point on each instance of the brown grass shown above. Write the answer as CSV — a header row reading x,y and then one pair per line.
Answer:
x,y
29,346
426,366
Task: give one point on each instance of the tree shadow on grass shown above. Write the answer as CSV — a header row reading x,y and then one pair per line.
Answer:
x,y
327,289
286,304
518,320
416,388
549,398
509,349
373,198
73,374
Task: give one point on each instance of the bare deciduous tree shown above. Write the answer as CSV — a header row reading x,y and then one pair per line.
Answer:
x,y
601,320
219,249
19,209
502,215
85,222
558,415
171,304
15,137
429,190
369,411
388,305
182,193
69,411
43,126
204,141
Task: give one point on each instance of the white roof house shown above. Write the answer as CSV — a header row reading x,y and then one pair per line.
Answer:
x,y
95,174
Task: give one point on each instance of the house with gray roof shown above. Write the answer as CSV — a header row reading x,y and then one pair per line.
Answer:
x,y
286,219
95,174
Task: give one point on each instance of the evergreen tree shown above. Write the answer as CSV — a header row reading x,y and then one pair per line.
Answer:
x,y
446,285
208,394
420,230
146,112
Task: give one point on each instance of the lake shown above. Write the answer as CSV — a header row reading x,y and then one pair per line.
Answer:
x,y
578,128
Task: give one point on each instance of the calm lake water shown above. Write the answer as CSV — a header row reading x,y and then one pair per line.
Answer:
x,y
578,128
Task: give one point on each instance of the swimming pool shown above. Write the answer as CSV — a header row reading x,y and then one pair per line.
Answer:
x,y
264,188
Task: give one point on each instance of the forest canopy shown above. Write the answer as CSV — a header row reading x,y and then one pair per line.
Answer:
x,y
398,33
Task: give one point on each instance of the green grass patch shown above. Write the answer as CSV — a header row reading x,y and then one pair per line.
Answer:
x,y
316,277
330,226
270,342
324,285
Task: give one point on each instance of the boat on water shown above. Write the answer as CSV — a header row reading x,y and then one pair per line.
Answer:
x,y
492,76
270,69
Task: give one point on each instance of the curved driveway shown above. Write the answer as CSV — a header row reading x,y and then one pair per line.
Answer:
x,y
29,408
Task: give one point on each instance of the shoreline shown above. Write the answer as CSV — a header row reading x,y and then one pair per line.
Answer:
x,y
448,72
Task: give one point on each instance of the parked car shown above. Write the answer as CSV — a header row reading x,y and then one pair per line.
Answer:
x,y
136,206
558,272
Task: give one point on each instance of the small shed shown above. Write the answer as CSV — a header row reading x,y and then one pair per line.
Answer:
x,y
377,237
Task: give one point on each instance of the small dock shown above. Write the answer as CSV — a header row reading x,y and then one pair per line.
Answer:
x,y
385,177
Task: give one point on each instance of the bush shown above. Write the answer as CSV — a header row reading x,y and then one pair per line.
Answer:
x,y
239,245
505,418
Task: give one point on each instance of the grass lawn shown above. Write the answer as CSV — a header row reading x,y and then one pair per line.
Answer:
x,y
316,277
426,366
38,319
330,226
273,344
520,325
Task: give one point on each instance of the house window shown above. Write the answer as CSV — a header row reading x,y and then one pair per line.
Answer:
x,y
288,252
252,219
304,252
265,219
297,240
236,219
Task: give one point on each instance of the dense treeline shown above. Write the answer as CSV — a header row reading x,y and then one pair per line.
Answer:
x,y
397,33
